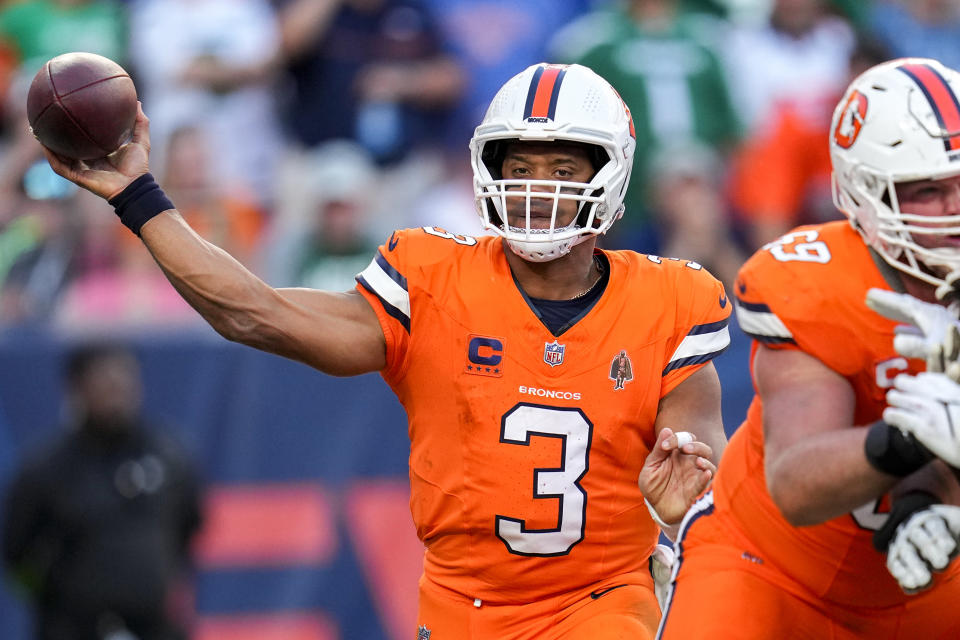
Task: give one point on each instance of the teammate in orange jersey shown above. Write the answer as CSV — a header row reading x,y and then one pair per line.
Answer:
x,y
790,541
529,465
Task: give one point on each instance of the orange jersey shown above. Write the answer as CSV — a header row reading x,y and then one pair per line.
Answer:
x,y
526,447
806,291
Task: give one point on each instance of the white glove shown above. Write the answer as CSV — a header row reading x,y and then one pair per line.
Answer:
x,y
931,332
925,543
928,407
661,568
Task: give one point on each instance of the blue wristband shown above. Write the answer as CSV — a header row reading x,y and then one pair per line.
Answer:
x,y
141,200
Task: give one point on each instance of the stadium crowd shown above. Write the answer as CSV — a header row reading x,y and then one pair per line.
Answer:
x,y
333,123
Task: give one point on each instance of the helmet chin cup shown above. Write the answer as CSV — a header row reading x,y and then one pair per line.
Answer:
x,y
540,251
544,251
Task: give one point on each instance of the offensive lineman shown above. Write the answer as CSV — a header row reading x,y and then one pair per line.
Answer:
x,y
790,541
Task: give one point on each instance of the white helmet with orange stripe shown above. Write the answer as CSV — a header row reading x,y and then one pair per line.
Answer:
x,y
547,103
899,122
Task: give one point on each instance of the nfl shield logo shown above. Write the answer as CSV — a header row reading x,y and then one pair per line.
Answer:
x,y
423,633
553,353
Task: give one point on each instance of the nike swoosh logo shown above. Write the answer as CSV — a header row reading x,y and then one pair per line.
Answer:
x,y
603,592
723,301
393,241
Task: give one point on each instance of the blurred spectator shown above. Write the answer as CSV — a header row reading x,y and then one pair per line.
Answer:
x,y
693,216
798,56
18,148
323,236
918,28
373,70
38,244
718,8
113,282
33,31
781,175
224,217
37,232
666,66
97,522
450,203
494,38
212,64
856,11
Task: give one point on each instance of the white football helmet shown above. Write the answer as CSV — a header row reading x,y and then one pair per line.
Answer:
x,y
898,122
543,103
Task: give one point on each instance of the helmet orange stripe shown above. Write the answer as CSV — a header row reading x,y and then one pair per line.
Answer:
x,y
941,98
544,88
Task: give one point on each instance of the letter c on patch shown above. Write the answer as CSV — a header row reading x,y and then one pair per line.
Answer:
x,y
485,351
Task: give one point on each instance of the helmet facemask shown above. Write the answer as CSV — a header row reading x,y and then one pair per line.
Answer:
x,y
870,198
494,197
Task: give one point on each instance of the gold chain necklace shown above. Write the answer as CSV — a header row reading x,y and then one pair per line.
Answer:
x,y
600,270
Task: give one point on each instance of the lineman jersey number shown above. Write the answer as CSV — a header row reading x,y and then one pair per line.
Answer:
x,y
517,427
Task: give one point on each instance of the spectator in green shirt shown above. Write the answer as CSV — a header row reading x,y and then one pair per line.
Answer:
x,y
666,65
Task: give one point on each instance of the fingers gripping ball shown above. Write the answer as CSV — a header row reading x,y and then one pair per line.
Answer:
x,y
82,106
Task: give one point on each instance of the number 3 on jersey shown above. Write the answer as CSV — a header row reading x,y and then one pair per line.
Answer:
x,y
563,483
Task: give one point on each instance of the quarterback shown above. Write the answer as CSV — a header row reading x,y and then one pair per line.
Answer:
x,y
790,542
561,399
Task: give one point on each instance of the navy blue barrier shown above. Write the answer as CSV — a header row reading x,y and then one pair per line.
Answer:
x,y
252,419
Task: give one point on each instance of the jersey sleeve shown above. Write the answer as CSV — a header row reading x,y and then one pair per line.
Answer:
x,y
385,286
703,312
758,309
787,303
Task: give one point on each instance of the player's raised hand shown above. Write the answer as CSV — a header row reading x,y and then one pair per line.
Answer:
x,y
107,176
925,543
927,406
930,332
677,470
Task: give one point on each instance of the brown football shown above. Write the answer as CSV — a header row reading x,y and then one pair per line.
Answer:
x,y
82,105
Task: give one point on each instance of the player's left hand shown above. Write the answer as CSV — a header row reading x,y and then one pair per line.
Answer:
x,y
927,406
675,473
931,332
925,543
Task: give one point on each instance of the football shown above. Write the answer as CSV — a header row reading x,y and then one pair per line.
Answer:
x,y
82,105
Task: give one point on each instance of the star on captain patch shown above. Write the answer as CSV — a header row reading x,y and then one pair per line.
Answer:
x,y
621,370
423,633
553,353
